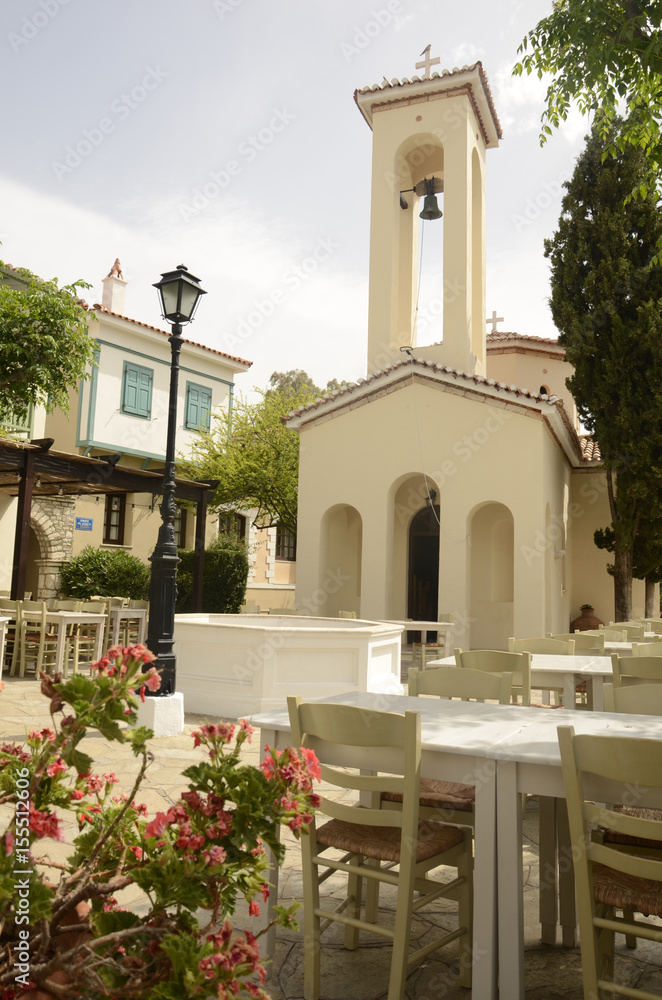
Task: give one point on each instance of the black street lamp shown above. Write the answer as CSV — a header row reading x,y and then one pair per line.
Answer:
x,y
180,293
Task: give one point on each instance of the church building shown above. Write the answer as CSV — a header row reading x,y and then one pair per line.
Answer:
x,y
454,478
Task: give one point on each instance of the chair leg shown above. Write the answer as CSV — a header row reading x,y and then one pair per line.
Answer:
x,y
372,898
311,921
354,890
630,939
400,954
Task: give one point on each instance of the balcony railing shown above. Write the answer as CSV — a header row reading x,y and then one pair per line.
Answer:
x,y
21,428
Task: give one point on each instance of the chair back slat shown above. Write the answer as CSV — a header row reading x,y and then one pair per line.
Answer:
x,y
635,669
500,661
633,699
539,644
465,684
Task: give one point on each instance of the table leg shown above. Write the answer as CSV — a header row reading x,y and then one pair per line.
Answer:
x,y
568,912
547,894
595,686
509,888
98,641
485,938
60,647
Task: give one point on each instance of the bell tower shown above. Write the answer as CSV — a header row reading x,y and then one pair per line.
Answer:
x,y
430,135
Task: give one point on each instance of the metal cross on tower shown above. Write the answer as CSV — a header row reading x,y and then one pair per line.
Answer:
x,y
428,62
494,319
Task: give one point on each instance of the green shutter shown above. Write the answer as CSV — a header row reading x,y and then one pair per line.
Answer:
x,y
137,390
198,407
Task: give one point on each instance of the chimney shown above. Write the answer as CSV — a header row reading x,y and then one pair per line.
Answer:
x,y
114,287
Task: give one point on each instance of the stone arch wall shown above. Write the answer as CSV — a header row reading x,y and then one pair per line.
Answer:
x,y
52,520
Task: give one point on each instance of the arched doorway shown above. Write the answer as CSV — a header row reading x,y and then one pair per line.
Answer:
x,y
423,576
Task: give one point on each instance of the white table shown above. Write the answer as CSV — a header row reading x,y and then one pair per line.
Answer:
x,y
118,615
552,671
61,619
425,626
530,762
459,740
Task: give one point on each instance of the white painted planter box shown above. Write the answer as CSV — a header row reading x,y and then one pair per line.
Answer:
x,y
238,665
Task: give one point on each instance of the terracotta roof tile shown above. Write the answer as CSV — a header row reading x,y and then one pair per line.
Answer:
x,y
590,449
421,362
503,335
395,83
99,308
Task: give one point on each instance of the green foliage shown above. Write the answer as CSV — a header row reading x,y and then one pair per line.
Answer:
x,y
607,304
602,56
107,572
44,340
224,577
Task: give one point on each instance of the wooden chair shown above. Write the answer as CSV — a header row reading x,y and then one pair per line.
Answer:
x,y
66,605
498,661
347,614
633,632
37,641
131,626
283,611
609,875
372,842
451,801
84,636
610,634
553,647
466,685
424,650
12,610
636,699
249,609
586,643
647,648
629,670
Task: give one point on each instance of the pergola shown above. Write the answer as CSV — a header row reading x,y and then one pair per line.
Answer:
x,y
33,469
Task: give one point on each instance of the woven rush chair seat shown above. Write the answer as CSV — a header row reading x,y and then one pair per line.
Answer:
x,y
383,844
436,794
627,892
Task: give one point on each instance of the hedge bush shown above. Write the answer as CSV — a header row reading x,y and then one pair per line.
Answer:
x,y
223,579
107,572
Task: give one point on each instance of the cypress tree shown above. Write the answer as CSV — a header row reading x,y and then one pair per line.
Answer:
x,y
607,304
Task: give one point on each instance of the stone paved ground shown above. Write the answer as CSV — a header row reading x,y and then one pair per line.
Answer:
x,y
551,972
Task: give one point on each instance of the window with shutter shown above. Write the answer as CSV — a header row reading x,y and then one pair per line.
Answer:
x,y
137,390
198,407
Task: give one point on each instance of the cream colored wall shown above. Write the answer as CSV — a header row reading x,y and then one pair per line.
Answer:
x,y
8,506
532,370
141,525
470,449
411,142
592,584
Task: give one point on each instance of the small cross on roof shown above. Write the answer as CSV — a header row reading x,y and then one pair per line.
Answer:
x,y
428,62
494,319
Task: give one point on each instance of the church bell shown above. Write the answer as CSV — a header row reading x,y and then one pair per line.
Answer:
x,y
431,209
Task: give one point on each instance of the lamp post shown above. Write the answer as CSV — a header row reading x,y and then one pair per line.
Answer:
x,y
180,293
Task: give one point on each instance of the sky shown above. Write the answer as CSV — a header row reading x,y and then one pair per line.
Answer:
x,y
223,134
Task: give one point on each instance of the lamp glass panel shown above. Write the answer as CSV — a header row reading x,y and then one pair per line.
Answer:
x,y
188,300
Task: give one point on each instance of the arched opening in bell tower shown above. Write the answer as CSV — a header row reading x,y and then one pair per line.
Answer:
x,y
420,279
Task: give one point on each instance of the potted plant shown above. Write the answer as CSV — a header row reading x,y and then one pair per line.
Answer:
x,y
62,932
587,619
